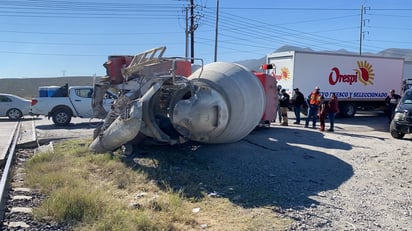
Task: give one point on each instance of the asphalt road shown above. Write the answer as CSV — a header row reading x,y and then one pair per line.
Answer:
x,y
78,128
39,130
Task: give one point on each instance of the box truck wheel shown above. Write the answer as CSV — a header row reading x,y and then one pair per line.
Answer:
x,y
61,116
347,109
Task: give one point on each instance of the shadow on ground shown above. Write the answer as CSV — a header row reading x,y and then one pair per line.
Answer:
x,y
373,120
272,166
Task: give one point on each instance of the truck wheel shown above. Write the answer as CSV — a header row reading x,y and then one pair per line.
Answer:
x,y
61,117
348,110
127,149
14,114
395,133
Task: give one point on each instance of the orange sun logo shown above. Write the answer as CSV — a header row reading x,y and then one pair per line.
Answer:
x,y
365,73
284,73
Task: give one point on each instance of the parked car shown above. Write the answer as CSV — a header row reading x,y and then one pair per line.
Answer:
x,y
14,107
401,123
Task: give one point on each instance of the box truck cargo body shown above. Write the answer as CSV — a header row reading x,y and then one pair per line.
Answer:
x,y
359,82
407,73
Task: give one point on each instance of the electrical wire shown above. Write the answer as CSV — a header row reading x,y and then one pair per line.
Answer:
x,y
235,30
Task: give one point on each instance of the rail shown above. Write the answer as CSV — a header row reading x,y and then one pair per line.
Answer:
x,y
6,170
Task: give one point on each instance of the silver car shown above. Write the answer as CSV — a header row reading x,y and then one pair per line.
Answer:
x,y
13,106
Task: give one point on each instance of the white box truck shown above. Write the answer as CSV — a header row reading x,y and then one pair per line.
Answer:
x,y
407,72
359,82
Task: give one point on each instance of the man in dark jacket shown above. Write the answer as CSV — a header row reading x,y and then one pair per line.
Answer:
x,y
284,106
297,101
391,101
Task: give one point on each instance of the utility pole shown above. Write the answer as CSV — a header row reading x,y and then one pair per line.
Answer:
x,y
192,31
187,34
361,32
217,26
191,26
362,24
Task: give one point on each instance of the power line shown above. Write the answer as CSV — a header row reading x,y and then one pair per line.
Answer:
x,y
235,29
88,33
237,26
246,27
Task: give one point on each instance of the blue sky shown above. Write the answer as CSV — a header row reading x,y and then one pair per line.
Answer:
x,y
51,38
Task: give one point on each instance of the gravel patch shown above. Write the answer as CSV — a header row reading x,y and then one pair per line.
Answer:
x,y
356,178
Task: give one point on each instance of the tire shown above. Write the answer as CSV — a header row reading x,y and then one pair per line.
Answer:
x,y
61,116
14,114
348,110
127,149
395,133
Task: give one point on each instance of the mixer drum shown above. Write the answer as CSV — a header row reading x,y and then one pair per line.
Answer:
x,y
228,104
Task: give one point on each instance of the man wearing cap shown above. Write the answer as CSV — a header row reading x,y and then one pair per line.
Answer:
x,y
313,101
284,106
297,100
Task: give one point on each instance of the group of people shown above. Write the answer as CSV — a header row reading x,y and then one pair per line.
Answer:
x,y
317,106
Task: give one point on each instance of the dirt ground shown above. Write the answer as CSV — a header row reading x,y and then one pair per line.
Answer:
x,y
356,178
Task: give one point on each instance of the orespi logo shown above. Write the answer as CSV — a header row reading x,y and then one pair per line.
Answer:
x,y
363,74
283,75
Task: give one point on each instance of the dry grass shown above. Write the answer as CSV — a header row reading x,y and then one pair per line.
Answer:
x,y
109,192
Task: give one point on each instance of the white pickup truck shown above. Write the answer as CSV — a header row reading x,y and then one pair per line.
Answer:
x,y
63,103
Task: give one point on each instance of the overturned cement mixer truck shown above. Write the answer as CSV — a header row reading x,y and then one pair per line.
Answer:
x,y
161,99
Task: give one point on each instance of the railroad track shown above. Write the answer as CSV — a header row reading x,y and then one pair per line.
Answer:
x,y
6,170
17,201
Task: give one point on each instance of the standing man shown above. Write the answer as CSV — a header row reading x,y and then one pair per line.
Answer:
x,y
391,101
284,106
279,87
313,101
297,100
322,113
333,108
